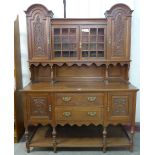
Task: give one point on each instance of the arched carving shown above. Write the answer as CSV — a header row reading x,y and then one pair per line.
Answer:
x,y
120,6
119,28
30,11
38,26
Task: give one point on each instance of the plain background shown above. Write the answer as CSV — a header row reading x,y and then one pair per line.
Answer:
x,y
8,12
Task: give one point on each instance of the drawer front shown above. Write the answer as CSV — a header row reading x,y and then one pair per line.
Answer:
x,y
87,99
81,115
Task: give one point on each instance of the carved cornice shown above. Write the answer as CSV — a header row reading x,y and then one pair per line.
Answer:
x,y
79,123
99,63
38,7
120,6
40,63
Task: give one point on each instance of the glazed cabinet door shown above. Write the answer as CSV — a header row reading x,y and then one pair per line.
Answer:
x,y
38,108
92,42
118,32
38,27
65,42
119,107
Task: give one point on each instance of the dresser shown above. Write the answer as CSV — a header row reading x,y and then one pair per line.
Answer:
x,y
80,94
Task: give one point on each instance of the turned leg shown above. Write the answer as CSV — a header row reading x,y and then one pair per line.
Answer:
x,y
54,138
104,139
27,140
132,137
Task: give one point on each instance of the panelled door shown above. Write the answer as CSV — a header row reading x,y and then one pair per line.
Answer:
x,y
119,107
39,107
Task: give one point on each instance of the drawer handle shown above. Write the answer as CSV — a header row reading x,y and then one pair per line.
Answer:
x,y
92,98
66,98
92,113
67,114
49,108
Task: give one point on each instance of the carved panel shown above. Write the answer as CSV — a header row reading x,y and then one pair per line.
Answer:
x,y
118,32
120,106
118,36
39,106
38,27
39,49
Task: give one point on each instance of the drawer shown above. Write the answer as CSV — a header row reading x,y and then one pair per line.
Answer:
x,y
79,99
81,114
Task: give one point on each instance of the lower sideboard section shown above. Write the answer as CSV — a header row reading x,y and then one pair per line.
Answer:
x,y
79,119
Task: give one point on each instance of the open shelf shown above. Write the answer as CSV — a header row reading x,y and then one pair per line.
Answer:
x,y
84,136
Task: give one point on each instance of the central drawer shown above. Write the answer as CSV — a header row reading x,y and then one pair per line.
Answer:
x,y
79,114
86,99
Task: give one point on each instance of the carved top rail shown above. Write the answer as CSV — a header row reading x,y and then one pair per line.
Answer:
x,y
107,63
93,39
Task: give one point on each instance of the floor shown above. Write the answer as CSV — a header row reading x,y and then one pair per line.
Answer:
x,y
19,149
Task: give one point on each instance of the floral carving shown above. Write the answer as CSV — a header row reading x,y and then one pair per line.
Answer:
x,y
39,107
39,37
118,35
120,106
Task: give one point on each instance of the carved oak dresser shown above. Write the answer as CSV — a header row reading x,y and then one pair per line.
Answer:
x,y
80,94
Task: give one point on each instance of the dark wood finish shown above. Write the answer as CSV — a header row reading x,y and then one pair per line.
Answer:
x,y
120,106
18,102
79,73
38,26
38,107
118,29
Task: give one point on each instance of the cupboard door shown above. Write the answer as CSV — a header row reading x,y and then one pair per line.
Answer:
x,y
65,42
39,107
38,27
119,106
118,32
92,42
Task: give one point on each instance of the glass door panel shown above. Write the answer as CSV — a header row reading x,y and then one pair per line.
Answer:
x,y
65,41
92,41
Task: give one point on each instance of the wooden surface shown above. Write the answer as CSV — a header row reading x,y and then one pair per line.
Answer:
x,y
79,76
18,102
106,85
80,137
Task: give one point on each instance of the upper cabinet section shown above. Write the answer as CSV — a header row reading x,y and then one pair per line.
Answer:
x,y
38,28
62,40
118,32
